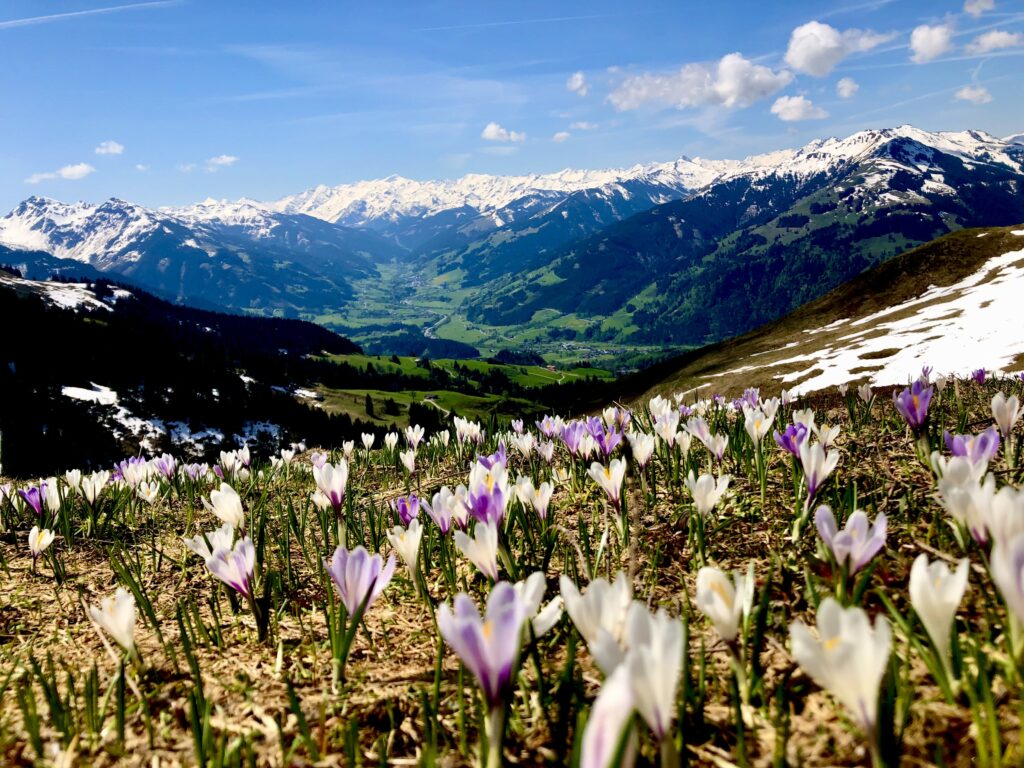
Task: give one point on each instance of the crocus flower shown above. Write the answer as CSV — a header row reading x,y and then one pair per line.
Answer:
x,y
817,466
414,435
666,427
610,716
978,376
348,448
531,593
608,441
482,548
489,492
912,403
408,460
546,451
407,508
226,504
541,498
318,459
599,615
977,449
332,480
448,508
717,445
39,541
699,428
856,544
488,645
610,479
517,426
33,497
826,435
655,662
116,616
725,601
206,545
406,542
499,457
524,443
358,576
93,485
792,439
707,491
367,439
1006,411
642,446
935,593
1004,513
848,659
150,492
391,440
235,566
547,426
757,424
73,477
572,434
965,497
1007,567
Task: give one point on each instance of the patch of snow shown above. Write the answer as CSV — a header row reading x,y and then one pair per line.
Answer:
x,y
98,394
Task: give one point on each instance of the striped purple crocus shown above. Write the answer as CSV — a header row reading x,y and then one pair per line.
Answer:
x,y
547,426
358,576
977,449
571,435
979,376
912,403
517,426
791,440
166,465
488,645
608,441
500,456
407,508
235,566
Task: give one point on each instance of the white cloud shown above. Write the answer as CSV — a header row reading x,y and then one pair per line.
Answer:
x,y
577,83
494,132
977,7
214,164
732,81
186,167
816,48
793,108
930,42
561,136
141,168
995,40
583,125
846,88
71,172
976,94
109,148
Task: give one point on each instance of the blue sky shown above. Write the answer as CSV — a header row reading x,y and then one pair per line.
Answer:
x,y
171,102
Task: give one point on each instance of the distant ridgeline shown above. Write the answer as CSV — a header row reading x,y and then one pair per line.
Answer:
x,y
167,377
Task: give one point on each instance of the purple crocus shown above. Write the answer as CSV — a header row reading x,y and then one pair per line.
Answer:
x,y
500,456
517,426
358,576
977,449
34,497
547,426
595,426
407,508
608,441
685,411
165,465
318,459
571,435
751,396
978,376
856,544
793,438
488,645
235,566
912,403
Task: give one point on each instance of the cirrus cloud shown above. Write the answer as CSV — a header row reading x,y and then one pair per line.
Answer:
x,y
733,81
70,172
494,132
816,48
793,108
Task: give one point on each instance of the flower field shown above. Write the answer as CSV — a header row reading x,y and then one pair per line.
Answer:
x,y
765,580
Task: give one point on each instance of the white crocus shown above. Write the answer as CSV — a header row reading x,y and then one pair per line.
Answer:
x,y
725,602
116,615
226,504
609,478
935,593
706,491
1006,411
642,446
39,541
1007,568
847,659
481,549
599,614
93,485
206,545
655,662
391,440
531,593
368,440
408,460
406,542
73,477
610,716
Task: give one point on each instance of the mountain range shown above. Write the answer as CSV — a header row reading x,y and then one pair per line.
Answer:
x,y
678,253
